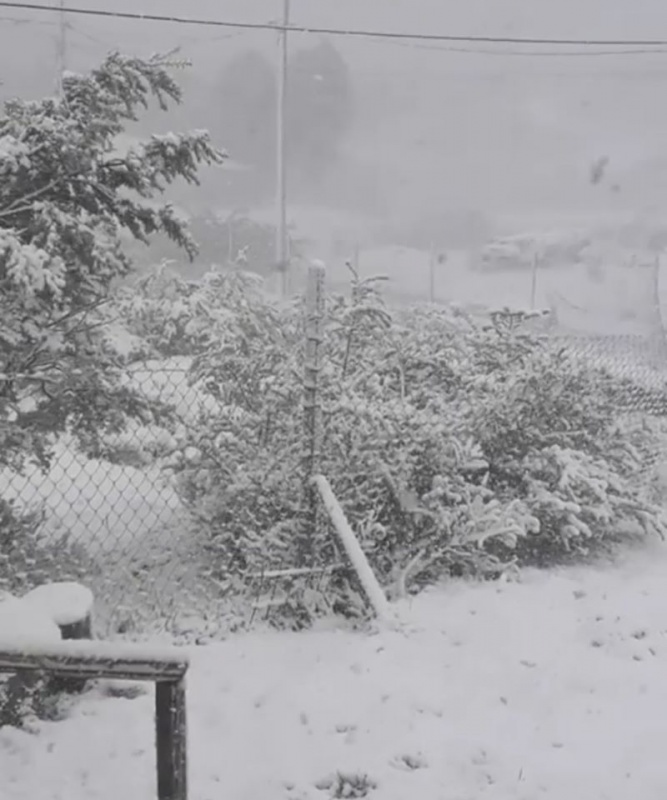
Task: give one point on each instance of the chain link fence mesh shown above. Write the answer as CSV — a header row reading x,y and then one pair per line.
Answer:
x,y
119,522
131,523
640,362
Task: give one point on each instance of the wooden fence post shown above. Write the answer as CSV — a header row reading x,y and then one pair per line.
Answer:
x,y
314,332
171,734
369,583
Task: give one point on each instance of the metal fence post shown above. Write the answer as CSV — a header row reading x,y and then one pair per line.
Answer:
x,y
314,328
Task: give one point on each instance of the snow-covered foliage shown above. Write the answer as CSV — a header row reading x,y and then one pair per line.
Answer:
x,y
29,558
22,624
171,316
67,197
453,446
68,201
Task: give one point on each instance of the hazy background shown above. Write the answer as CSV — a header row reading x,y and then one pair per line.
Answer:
x,y
432,145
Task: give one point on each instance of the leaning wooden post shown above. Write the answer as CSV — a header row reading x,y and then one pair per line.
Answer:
x,y
171,734
314,332
346,536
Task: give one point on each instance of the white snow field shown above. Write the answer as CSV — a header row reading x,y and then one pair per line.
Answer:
x,y
553,687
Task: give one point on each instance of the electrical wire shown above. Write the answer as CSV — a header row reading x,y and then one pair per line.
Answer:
x,y
26,21
351,32
183,43
653,50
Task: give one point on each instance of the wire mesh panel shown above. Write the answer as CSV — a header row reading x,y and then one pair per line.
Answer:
x,y
114,521
639,364
190,514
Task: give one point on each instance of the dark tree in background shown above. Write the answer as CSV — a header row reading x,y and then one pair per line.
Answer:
x,y
319,109
246,110
318,115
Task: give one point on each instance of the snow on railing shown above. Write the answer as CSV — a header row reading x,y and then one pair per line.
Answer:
x,y
165,667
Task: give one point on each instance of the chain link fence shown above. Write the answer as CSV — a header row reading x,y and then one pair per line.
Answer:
x,y
136,521
121,524
208,521
639,363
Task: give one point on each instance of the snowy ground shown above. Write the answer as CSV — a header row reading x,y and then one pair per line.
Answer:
x,y
104,506
555,687
101,506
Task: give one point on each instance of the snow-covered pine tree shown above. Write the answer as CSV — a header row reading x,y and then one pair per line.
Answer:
x,y
68,196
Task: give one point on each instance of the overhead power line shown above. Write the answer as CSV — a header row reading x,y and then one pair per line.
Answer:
x,y
490,51
352,32
27,21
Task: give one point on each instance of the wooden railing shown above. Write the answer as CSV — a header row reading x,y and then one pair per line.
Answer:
x,y
165,667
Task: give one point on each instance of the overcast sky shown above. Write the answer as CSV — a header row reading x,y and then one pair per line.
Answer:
x,y
539,18
470,127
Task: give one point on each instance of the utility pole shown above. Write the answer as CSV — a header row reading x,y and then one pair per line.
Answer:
x,y
282,244
61,49
533,281
431,274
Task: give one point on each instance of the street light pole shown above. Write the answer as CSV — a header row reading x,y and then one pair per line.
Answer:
x,y
282,244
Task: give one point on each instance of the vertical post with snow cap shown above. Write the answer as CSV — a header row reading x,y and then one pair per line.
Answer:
x,y
314,330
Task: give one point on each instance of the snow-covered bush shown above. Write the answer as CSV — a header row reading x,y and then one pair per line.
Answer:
x,y
172,316
554,436
25,696
28,559
453,446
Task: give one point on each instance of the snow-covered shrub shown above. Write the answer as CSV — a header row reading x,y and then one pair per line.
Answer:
x,y
552,437
29,559
453,446
173,316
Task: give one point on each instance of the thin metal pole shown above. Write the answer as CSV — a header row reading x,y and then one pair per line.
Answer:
x,y
61,52
282,254
533,281
431,274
